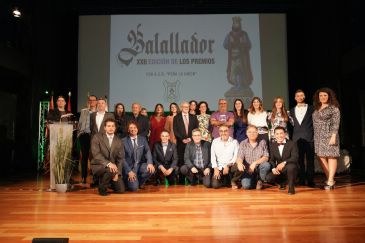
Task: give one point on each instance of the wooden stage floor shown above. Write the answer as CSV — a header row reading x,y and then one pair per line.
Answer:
x,y
184,213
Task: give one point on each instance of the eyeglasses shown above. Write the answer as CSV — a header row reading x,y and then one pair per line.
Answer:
x,y
223,130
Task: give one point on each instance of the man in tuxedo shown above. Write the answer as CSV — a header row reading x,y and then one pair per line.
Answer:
x,y
97,118
183,125
303,136
197,165
83,134
141,120
108,158
284,161
165,158
138,159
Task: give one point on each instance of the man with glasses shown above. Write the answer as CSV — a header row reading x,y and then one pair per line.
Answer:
x,y
222,117
252,162
224,152
197,165
83,134
183,125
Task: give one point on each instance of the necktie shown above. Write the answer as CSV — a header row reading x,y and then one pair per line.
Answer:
x,y
134,144
281,144
186,123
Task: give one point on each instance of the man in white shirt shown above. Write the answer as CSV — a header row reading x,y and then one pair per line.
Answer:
x,y
303,137
224,152
97,118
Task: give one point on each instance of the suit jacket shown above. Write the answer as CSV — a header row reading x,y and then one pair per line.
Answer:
x,y
81,126
102,153
133,157
290,153
190,151
143,124
94,126
169,160
179,126
305,129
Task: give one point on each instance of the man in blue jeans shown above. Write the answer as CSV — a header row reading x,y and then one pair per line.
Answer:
x,y
252,161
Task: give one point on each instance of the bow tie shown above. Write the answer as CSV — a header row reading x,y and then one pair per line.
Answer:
x,y
281,144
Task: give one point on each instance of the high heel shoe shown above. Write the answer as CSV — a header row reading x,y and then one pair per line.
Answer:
x,y
329,186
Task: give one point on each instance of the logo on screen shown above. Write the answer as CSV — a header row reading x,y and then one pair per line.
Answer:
x,y
173,44
172,91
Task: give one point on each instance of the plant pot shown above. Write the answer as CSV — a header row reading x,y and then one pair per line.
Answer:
x,y
61,187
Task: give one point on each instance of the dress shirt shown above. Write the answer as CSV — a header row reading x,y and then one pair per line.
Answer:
x,y
223,152
300,112
99,119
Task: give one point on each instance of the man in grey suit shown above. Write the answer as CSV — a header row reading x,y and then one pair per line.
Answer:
x,y
165,159
83,134
108,158
197,160
139,165
303,136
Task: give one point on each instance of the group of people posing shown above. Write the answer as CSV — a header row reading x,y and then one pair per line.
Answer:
x,y
243,148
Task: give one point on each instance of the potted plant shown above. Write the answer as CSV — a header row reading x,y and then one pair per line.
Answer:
x,y
62,161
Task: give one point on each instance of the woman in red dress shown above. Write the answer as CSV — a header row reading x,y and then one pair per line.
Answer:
x,y
157,125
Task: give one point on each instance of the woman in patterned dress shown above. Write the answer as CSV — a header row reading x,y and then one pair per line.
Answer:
x,y
169,126
326,122
278,117
204,121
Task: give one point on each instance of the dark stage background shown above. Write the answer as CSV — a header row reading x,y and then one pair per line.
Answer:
x,y
39,51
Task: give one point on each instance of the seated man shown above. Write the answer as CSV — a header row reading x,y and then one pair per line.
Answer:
x,y
138,159
197,165
252,161
108,158
165,159
223,155
284,160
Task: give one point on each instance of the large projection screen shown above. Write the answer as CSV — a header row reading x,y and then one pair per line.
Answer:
x,y
154,59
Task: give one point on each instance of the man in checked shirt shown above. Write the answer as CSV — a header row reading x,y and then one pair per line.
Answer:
x,y
252,161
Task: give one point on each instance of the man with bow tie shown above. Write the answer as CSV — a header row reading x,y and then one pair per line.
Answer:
x,y
165,158
108,158
284,160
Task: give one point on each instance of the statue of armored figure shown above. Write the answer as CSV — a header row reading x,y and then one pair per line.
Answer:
x,y
239,72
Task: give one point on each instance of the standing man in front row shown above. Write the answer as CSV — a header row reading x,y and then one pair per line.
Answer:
x,y
138,159
284,160
183,125
252,165
108,158
197,165
223,156
165,159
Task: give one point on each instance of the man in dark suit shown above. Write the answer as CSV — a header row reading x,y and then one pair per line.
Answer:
x,y
183,124
108,158
197,160
284,161
97,118
138,159
303,136
165,159
142,121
